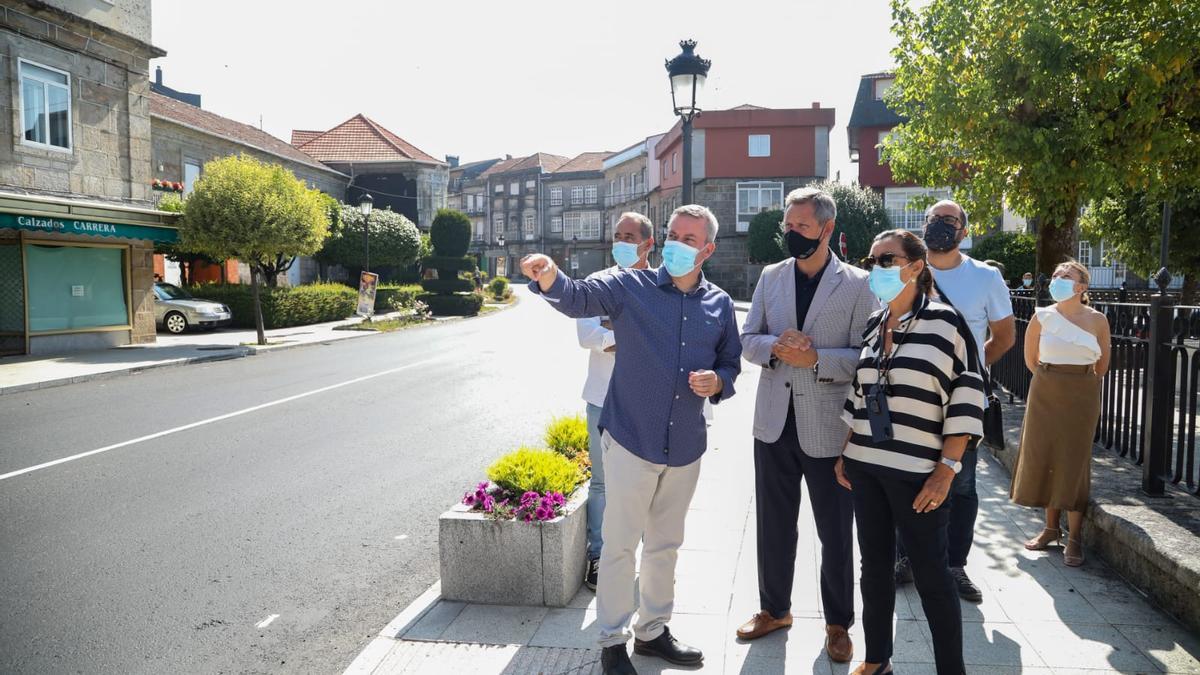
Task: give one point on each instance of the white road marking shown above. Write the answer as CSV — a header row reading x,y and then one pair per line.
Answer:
x,y
401,537
266,622
218,418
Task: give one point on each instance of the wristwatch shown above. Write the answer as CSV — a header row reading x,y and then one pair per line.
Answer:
x,y
953,464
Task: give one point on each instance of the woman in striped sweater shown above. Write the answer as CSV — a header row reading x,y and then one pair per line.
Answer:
x,y
914,403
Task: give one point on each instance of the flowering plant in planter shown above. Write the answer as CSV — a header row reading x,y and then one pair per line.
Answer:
x,y
496,502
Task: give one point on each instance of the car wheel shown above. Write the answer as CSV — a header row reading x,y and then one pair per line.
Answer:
x,y
175,323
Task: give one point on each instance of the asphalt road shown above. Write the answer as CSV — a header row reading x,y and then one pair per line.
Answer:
x,y
167,554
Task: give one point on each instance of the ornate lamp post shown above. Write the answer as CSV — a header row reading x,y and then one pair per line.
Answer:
x,y
688,73
365,203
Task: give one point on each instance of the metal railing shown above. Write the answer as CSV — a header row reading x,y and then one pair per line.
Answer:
x,y
622,197
1150,395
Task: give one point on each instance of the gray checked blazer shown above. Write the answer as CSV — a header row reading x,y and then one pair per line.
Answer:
x,y
836,320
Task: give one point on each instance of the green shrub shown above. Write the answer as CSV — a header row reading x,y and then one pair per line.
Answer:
x,y
860,216
532,470
282,307
568,436
392,297
448,285
450,233
499,289
1017,251
764,241
467,304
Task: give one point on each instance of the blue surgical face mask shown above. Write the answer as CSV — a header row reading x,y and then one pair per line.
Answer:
x,y
1061,288
1027,282
625,254
885,283
679,258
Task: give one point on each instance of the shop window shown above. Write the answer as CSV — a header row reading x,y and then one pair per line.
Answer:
x,y
75,287
45,106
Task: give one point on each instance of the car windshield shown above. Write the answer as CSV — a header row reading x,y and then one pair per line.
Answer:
x,y
171,292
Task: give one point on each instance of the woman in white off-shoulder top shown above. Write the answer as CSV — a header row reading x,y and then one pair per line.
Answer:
x,y
1067,348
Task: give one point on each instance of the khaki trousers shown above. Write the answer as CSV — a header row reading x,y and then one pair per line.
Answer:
x,y
647,503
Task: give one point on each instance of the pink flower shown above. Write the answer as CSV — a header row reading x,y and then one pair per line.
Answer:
x,y
528,516
559,500
469,500
482,486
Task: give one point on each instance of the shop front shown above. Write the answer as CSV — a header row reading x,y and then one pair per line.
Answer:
x,y
76,276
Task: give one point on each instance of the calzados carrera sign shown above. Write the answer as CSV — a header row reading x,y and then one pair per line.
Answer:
x,y
88,227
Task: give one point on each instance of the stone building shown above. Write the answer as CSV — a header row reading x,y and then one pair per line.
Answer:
x,y
468,193
514,209
77,219
572,228
744,161
185,137
397,174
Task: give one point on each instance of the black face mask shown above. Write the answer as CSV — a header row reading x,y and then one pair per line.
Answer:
x,y
940,236
800,246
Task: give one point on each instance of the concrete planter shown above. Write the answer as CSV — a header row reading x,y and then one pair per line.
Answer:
x,y
513,563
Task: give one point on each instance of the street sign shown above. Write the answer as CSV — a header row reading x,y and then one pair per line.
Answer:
x,y
842,244
367,281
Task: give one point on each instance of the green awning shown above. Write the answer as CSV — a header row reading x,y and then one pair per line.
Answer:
x,y
38,223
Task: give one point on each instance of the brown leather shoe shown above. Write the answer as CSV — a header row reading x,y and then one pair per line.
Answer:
x,y
762,623
838,644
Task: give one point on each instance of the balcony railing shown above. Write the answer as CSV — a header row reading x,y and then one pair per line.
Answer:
x,y
623,197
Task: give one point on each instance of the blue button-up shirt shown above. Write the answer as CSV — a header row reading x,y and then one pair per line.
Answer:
x,y
662,336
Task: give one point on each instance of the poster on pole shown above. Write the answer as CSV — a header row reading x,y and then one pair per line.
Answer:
x,y
367,281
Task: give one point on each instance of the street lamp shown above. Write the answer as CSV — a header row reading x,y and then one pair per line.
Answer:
x,y
572,252
688,73
365,203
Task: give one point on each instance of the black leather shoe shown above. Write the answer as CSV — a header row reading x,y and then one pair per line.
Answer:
x,y
966,589
615,661
669,649
904,574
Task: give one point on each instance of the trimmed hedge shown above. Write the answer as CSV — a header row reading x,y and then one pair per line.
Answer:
x,y
453,305
282,307
448,285
404,295
499,289
449,263
450,233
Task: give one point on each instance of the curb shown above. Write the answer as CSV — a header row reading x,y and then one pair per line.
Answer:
x,y
377,649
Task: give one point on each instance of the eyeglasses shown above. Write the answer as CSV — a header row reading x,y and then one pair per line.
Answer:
x,y
885,261
952,221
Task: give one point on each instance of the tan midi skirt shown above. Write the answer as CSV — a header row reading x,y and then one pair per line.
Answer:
x,y
1054,466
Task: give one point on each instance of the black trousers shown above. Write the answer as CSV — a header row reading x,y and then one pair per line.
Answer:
x,y
778,470
964,508
883,506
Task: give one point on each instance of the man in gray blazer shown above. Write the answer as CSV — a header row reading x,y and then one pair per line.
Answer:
x,y
805,329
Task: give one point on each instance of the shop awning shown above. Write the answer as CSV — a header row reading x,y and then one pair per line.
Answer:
x,y
61,216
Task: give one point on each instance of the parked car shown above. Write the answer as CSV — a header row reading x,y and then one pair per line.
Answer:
x,y
176,310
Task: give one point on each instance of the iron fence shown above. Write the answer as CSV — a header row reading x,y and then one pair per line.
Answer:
x,y
1152,386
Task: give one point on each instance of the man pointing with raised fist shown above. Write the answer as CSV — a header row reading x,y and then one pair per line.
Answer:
x,y
679,346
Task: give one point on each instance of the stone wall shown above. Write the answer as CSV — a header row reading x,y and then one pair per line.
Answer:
x,y
174,143
110,123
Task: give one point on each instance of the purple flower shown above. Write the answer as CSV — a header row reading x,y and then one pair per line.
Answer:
x,y
544,513
528,516
529,497
482,486
480,494
488,503
469,500
547,501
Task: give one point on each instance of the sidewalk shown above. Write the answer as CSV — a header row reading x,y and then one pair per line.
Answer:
x,y
23,373
1038,616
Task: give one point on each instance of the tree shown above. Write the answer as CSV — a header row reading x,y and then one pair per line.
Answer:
x,y
394,240
256,212
448,294
1132,226
1017,251
1049,104
764,242
860,215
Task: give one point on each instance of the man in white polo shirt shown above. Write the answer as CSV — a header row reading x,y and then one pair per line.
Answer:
x,y
633,240
980,295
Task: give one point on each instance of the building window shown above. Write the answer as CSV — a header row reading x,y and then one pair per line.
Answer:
x,y
530,227
1085,252
556,224
759,145
674,162
583,224
497,224
45,105
612,188
577,195
191,171
478,222
499,189
898,202
530,184
754,198
881,87
556,196
73,287
514,188
592,194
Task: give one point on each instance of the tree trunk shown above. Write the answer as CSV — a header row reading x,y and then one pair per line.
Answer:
x,y
258,317
1056,242
1190,293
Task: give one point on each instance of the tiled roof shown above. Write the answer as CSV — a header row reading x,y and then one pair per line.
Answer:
x,y
302,136
211,123
360,139
869,111
549,163
748,106
588,161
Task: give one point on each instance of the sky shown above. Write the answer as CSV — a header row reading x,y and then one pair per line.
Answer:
x,y
484,79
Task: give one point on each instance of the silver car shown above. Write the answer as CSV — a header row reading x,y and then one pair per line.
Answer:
x,y
176,310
